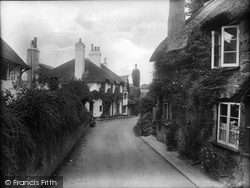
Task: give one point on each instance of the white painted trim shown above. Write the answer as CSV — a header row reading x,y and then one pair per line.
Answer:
x,y
222,46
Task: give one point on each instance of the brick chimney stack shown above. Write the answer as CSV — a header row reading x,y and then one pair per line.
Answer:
x,y
79,59
176,18
95,55
32,60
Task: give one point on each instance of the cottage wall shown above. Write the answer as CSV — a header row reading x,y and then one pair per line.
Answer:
x,y
7,84
239,75
94,86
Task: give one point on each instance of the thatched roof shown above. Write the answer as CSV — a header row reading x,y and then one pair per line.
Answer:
x,y
92,74
213,10
7,53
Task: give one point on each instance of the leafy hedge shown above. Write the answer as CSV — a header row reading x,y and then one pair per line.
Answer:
x,y
37,121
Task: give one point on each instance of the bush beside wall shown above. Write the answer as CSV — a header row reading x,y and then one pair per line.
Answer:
x,y
39,128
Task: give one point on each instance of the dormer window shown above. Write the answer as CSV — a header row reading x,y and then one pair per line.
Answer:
x,y
225,47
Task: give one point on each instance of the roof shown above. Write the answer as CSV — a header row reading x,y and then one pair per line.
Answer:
x,y
9,54
45,66
244,91
93,73
214,9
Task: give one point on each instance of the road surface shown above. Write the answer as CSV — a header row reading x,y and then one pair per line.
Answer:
x,y
110,155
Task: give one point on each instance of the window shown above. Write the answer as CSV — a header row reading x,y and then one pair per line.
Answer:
x,y
166,112
10,72
124,109
100,108
228,123
225,47
125,95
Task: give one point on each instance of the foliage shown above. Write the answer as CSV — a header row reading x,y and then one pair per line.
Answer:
x,y
171,140
218,165
36,122
136,77
144,124
107,99
78,88
185,78
146,104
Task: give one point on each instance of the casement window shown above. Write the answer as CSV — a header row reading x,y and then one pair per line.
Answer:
x,y
228,124
225,47
125,95
166,111
100,108
10,72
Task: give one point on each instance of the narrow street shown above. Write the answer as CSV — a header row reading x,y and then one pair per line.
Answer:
x,y
110,155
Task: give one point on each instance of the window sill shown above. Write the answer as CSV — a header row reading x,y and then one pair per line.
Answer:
x,y
224,69
228,148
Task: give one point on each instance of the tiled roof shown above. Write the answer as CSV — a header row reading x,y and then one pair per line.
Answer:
x,y
9,54
230,9
92,72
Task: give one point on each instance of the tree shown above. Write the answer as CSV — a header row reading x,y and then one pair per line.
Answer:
x,y
136,77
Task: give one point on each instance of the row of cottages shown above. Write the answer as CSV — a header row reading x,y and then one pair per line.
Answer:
x,y
16,75
226,23
97,75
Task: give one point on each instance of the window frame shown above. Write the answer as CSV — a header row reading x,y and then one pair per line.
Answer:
x,y
226,143
10,72
221,63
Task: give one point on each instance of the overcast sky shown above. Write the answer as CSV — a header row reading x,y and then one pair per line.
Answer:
x,y
126,31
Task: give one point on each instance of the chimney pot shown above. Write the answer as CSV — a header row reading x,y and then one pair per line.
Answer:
x,y
92,47
80,39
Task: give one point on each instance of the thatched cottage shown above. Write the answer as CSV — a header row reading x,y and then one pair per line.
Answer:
x,y
97,75
226,23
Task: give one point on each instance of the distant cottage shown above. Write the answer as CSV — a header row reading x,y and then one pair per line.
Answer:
x,y
96,74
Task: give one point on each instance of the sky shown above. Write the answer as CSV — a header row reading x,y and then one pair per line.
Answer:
x,y
127,32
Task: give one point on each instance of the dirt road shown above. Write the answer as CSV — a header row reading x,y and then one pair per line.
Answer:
x,y
110,155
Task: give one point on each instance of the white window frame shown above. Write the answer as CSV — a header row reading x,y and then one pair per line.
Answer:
x,y
227,126
221,53
10,72
213,49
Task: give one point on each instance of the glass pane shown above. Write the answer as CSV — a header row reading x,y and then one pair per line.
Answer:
x,y
222,135
223,109
230,33
233,137
234,110
216,61
233,125
230,45
230,58
223,122
216,50
216,39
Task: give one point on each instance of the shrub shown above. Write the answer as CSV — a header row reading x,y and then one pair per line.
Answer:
x,y
36,122
217,165
144,124
171,140
146,105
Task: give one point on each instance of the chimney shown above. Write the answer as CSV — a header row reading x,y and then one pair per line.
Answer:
x,y
176,18
92,47
32,60
105,62
79,59
95,56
